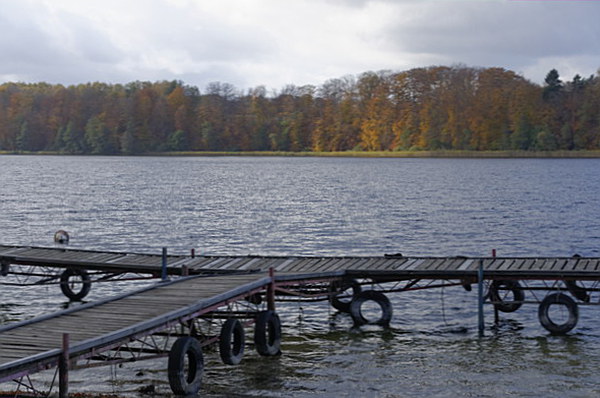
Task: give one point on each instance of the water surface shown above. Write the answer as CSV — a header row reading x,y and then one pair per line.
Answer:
x,y
325,206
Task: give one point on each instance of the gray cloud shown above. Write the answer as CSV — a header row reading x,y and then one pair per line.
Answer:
x,y
503,33
55,48
266,42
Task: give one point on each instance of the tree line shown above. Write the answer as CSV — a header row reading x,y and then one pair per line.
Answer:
x,y
434,108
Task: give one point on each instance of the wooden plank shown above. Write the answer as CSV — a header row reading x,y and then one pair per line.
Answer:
x,y
591,266
440,264
495,264
506,264
249,264
411,265
435,264
304,265
426,265
467,264
335,263
365,264
391,263
528,265
263,263
340,264
283,266
568,264
577,265
373,265
198,262
241,263
513,265
583,265
326,263
546,264
229,263
395,263
14,251
452,264
558,264
525,264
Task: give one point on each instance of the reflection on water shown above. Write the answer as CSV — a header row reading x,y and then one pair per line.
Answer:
x,y
331,207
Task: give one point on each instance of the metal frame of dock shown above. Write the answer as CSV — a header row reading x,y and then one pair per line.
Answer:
x,y
224,290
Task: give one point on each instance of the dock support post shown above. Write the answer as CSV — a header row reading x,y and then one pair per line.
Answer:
x,y
480,297
63,368
496,316
271,290
164,264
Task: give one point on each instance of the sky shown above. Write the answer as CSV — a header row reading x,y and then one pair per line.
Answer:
x,y
275,43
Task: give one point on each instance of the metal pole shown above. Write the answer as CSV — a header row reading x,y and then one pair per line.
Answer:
x,y
271,290
164,264
63,368
480,296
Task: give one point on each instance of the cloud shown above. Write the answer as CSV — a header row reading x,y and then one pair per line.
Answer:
x,y
274,43
39,43
513,34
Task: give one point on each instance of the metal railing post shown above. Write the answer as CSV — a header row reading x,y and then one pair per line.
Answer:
x,y
63,368
164,264
480,297
271,291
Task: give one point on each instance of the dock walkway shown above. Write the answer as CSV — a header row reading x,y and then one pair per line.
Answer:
x,y
232,288
395,265
36,344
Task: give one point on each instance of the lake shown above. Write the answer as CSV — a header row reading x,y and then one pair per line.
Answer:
x,y
330,206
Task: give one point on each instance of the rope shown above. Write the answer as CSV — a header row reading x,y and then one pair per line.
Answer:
x,y
443,307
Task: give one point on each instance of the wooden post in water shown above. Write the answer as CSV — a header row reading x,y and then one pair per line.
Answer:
x,y
271,291
63,368
480,297
496,314
164,264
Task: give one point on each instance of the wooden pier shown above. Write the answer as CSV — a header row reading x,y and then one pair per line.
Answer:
x,y
235,292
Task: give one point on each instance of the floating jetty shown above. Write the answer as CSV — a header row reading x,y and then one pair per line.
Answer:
x,y
233,294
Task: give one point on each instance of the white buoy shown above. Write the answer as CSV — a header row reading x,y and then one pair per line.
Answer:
x,y
61,236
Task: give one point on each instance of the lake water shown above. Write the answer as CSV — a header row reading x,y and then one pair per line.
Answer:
x,y
330,206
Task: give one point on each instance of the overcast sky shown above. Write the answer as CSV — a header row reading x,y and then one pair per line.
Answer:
x,y
249,43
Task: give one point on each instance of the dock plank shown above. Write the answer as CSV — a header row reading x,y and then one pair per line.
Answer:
x,y
158,303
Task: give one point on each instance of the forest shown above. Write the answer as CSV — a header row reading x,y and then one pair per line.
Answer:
x,y
433,108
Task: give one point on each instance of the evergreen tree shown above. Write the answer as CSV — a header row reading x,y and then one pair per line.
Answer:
x,y
23,138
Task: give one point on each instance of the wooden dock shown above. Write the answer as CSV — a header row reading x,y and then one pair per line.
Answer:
x,y
36,344
394,265
228,289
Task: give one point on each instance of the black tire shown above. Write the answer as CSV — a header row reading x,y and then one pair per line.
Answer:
x,y
338,289
67,284
231,342
255,299
186,380
560,299
267,333
580,293
496,294
378,297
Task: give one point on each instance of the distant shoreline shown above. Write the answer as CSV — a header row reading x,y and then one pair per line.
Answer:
x,y
359,154
405,154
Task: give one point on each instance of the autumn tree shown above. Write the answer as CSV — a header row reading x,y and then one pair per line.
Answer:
x,y
436,107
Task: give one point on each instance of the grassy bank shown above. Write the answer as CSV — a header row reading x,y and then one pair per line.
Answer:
x,y
364,154
405,154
